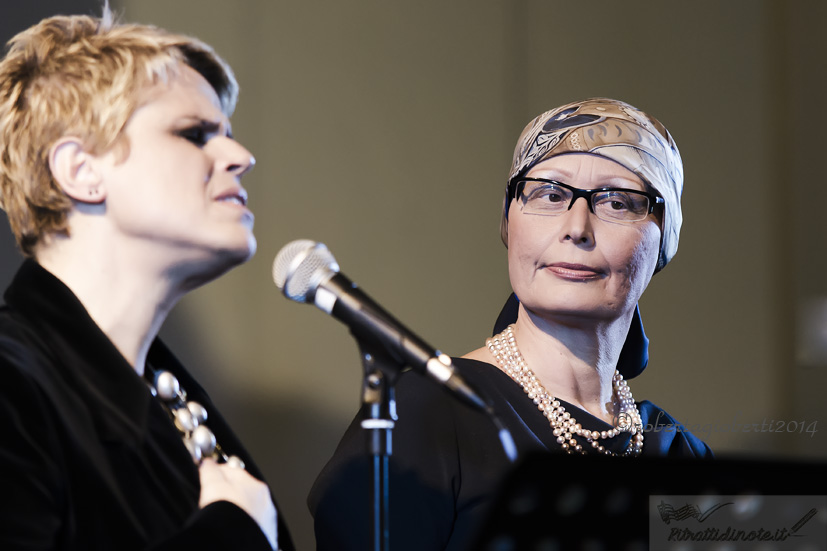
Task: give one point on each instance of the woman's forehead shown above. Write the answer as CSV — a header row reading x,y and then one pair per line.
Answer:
x,y
187,93
586,167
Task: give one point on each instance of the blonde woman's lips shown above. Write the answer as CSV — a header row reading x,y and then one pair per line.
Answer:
x,y
236,196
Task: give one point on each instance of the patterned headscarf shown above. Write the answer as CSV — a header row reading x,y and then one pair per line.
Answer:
x,y
617,131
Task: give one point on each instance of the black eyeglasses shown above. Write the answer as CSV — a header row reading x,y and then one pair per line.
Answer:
x,y
551,198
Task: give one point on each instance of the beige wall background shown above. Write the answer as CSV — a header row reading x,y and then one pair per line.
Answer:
x,y
385,130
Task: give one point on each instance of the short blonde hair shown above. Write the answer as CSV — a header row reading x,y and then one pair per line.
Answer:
x,y
83,77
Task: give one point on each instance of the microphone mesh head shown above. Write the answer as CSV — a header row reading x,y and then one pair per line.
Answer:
x,y
300,266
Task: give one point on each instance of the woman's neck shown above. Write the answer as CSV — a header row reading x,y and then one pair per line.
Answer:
x,y
127,299
574,362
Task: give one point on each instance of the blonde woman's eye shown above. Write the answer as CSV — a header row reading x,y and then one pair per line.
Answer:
x,y
196,134
199,134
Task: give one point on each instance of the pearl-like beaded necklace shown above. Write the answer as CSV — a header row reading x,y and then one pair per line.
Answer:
x,y
565,427
189,419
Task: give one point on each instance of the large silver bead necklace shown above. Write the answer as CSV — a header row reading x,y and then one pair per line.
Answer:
x,y
189,418
565,427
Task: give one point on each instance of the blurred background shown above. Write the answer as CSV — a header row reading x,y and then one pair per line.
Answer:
x,y
385,129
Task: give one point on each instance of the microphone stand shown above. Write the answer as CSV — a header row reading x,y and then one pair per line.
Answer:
x,y
379,417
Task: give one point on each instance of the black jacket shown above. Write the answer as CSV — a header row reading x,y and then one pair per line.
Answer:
x,y
88,458
447,462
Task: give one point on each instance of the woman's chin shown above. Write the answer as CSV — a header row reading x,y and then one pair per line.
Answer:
x,y
249,250
213,261
236,256
238,250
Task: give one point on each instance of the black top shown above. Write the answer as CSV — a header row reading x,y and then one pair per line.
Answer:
x,y
447,462
88,458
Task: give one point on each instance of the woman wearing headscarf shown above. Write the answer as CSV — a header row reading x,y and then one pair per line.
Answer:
x,y
591,213
122,184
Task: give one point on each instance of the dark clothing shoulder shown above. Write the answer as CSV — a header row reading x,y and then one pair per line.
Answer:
x,y
448,460
90,457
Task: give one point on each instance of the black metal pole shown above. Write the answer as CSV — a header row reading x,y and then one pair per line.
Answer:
x,y
379,409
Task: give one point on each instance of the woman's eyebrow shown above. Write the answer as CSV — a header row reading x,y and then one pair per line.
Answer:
x,y
209,126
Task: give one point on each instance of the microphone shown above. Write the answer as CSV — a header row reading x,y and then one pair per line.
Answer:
x,y
305,271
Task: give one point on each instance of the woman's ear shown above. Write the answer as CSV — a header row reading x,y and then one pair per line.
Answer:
x,y
75,170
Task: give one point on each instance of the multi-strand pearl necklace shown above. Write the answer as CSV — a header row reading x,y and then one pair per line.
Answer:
x,y
565,427
189,419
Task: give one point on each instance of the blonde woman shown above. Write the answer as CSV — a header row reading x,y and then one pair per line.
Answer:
x,y
122,183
